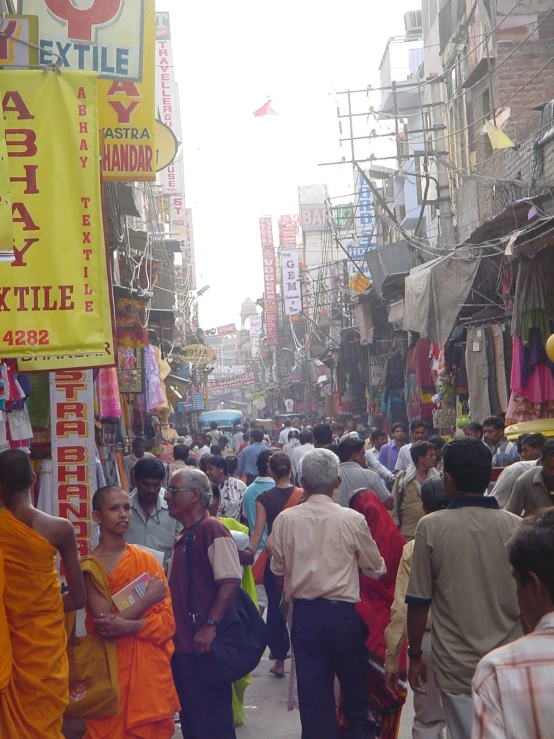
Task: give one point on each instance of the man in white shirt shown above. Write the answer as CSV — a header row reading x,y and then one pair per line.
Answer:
x,y
284,435
513,685
354,476
418,431
317,548
299,452
201,447
237,438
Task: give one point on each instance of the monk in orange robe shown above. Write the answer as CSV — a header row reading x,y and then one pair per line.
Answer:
x,y
144,631
35,693
5,641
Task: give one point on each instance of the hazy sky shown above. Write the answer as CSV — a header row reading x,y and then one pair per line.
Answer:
x,y
229,58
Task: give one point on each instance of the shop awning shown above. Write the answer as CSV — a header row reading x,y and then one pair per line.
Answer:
x,y
436,292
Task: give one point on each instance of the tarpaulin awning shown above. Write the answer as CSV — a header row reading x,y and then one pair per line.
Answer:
x,y
436,291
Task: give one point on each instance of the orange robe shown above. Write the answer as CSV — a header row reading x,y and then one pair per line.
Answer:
x,y
33,703
148,699
5,641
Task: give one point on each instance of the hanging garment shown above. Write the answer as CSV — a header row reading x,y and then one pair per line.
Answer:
x,y
477,367
107,393
494,402
530,294
500,365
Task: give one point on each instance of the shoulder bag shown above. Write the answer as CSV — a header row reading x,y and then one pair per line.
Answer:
x,y
93,679
241,637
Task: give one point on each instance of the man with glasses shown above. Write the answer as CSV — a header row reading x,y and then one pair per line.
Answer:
x,y
206,699
151,525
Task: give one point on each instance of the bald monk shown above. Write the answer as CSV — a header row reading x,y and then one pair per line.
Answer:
x,y
144,631
36,694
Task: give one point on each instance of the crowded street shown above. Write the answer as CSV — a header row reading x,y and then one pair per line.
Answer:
x,y
276,369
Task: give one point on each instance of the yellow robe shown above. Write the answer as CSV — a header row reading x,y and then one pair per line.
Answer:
x,y
36,694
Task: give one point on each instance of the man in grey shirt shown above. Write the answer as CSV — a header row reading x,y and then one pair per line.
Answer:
x,y
354,475
150,524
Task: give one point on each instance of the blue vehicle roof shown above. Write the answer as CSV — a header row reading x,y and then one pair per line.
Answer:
x,y
223,417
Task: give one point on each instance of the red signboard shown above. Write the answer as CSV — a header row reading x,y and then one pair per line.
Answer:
x,y
229,328
288,230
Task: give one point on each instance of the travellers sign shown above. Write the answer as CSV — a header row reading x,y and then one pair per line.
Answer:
x,y
54,296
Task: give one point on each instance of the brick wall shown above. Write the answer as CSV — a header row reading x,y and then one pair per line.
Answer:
x,y
530,160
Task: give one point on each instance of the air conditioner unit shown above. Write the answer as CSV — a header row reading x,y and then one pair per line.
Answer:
x,y
413,22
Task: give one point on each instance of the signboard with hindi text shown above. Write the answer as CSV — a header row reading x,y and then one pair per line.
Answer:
x,y
53,296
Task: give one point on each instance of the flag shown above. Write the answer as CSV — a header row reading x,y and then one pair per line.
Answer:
x,y
498,139
266,109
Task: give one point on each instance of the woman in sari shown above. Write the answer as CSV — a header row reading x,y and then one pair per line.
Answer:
x,y
376,600
246,557
144,631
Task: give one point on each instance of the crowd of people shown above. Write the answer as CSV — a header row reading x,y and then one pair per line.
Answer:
x,y
377,563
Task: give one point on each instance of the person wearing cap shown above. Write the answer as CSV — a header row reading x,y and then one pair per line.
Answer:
x,y
429,717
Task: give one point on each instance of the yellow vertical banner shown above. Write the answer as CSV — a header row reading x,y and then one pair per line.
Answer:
x,y
128,116
6,229
53,295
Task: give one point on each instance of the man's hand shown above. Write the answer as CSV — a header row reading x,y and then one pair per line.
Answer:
x,y
203,639
110,627
417,676
391,683
156,590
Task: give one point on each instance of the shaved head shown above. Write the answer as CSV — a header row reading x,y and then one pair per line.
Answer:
x,y
16,473
101,494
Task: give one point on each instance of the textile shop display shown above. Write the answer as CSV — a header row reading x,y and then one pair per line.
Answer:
x,y
485,364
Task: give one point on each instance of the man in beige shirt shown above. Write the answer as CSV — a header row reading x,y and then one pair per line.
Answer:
x,y
317,548
460,568
407,509
535,488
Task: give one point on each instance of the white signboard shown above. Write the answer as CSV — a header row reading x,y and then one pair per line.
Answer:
x,y
291,282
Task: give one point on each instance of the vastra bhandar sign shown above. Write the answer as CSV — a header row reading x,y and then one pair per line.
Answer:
x,y
115,39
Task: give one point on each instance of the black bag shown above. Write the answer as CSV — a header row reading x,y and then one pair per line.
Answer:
x,y
241,637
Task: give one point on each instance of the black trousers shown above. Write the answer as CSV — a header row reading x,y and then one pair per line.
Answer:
x,y
206,706
327,639
277,632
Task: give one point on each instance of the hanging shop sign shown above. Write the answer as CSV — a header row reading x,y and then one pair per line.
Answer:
x,y
266,232
291,282
255,326
102,37
229,328
198,354
359,283
314,218
288,230
166,146
128,113
18,41
260,395
53,296
115,40
6,226
270,297
74,452
249,378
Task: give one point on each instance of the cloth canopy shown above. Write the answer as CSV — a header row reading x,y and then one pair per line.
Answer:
x,y
435,292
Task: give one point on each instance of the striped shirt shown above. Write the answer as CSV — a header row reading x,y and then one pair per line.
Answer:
x,y
513,688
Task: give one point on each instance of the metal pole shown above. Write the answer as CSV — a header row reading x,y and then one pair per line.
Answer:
x,y
351,126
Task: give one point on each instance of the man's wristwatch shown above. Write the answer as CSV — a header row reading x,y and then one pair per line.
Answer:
x,y
211,622
415,655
